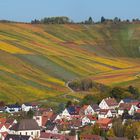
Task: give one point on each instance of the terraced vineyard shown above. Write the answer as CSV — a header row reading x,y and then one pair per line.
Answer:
x,y
37,60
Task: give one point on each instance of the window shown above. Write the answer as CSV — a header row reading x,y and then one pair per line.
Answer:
x,y
26,133
31,133
37,133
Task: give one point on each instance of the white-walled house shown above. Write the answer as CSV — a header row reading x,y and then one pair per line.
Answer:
x,y
88,120
105,123
12,108
85,121
28,127
2,129
38,118
26,107
126,106
65,114
51,127
88,110
108,103
105,113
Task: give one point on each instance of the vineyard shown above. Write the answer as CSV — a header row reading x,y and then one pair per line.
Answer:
x,y
37,60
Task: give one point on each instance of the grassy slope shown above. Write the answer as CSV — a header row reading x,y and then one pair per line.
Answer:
x,y
37,60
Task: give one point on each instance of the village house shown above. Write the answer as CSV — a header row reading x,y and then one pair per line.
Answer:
x,y
105,123
12,108
88,120
105,113
26,107
87,110
51,127
126,107
5,124
42,116
127,100
96,108
75,124
2,129
108,103
69,113
17,137
28,127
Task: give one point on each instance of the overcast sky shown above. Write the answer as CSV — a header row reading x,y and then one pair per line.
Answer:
x,y
26,10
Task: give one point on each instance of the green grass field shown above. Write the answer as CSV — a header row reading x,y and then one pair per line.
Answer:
x,y
37,60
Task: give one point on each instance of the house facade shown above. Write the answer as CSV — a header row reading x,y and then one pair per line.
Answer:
x,y
27,127
108,103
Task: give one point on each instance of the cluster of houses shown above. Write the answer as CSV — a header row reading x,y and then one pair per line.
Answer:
x,y
47,125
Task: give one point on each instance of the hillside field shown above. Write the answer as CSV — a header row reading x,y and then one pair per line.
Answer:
x,y
37,60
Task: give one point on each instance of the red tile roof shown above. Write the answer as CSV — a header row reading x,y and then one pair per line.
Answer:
x,y
104,121
2,120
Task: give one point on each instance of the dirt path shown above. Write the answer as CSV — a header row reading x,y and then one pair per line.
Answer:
x,y
67,85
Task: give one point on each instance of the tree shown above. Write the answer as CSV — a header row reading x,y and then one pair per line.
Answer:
x,y
103,19
69,103
134,91
60,108
110,133
116,20
90,20
35,21
89,99
30,114
96,130
118,128
120,93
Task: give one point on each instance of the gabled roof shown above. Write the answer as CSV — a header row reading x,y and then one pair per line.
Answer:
x,y
26,124
111,101
16,137
72,110
104,121
3,120
95,107
50,125
125,106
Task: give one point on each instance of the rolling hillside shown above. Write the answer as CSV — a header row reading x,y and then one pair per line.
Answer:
x,y
37,60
